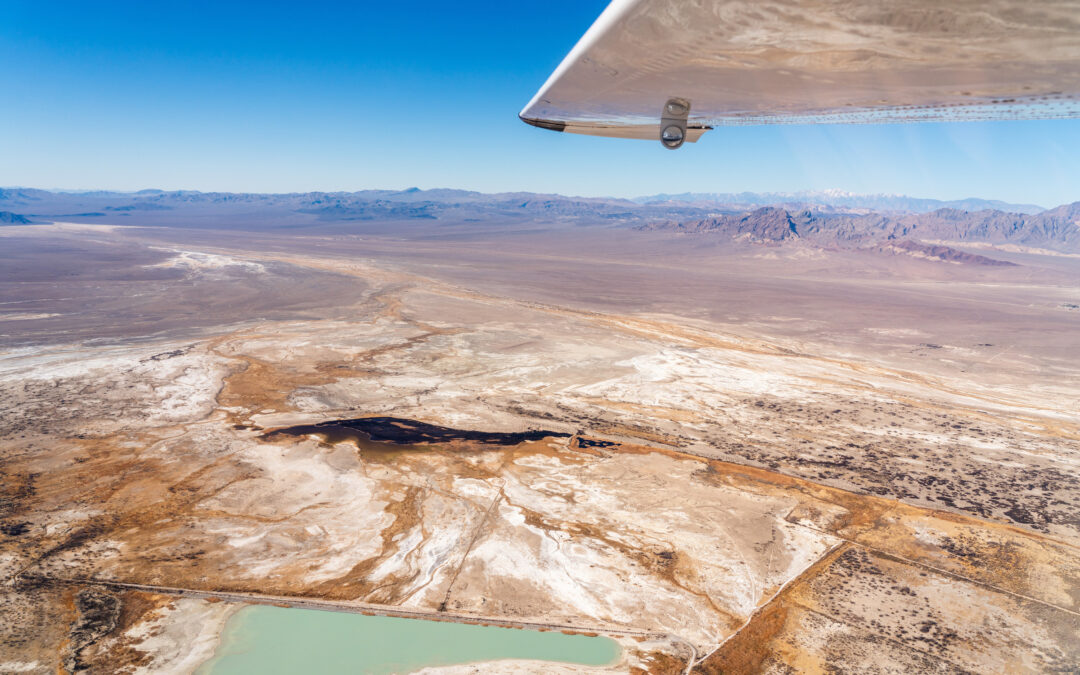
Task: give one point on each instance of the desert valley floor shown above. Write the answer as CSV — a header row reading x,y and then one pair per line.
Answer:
x,y
784,461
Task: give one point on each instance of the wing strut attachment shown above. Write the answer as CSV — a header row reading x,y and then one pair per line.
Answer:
x,y
673,123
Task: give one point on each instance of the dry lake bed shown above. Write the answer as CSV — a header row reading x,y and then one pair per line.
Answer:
x,y
633,457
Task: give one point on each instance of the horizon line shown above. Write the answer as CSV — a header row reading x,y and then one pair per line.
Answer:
x,y
839,192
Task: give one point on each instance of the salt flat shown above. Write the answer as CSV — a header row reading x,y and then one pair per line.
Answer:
x,y
737,490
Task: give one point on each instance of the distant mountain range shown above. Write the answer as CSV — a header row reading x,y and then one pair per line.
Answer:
x,y
837,199
740,201
1055,229
435,213
241,209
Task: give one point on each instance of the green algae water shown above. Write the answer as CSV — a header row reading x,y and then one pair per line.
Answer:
x,y
264,639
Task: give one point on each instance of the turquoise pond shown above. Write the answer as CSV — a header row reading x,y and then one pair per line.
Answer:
x,y
264,639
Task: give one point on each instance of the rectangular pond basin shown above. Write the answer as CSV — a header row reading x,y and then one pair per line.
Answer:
x,y
266,639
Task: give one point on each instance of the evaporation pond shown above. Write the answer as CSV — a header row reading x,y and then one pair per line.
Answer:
x,y
264,639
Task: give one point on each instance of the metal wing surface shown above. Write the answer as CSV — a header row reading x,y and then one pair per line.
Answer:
x,y
814,61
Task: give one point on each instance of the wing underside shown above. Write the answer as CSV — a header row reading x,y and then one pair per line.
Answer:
x,y
815,61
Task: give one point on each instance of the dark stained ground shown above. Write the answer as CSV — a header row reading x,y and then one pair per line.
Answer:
x,y
401,431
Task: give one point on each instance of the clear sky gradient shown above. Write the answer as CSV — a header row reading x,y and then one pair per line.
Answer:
x,y
282,97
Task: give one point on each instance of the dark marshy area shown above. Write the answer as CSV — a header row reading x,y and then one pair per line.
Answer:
x,y
400,431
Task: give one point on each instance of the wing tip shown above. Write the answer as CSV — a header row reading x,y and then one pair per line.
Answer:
x,y
552,125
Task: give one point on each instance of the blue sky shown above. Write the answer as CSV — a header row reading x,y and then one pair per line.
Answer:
x,y
274,96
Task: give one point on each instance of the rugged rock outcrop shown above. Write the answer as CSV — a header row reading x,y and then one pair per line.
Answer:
x,y
1057,229
9,218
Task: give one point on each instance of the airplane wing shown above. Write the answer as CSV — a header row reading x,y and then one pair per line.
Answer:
x,y
672,69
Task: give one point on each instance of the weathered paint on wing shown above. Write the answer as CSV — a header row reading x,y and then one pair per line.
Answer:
x,y
811,61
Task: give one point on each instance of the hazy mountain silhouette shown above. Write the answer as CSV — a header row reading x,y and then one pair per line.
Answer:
x,y
836,199
439,212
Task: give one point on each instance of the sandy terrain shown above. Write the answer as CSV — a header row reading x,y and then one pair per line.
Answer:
x,y
741,493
